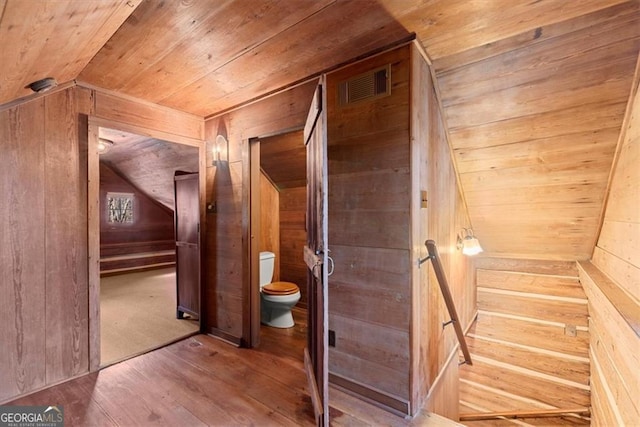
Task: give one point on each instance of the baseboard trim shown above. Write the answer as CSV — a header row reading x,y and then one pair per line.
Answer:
x,y
378,398
228,338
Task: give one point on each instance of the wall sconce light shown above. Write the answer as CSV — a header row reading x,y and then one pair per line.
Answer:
x,y
220,150
104,145
468,242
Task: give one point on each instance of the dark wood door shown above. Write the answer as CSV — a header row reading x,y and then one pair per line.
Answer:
x,y
187,227
316,355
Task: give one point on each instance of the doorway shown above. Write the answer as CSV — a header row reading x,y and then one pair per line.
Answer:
x,y
314,251
137,295
278,212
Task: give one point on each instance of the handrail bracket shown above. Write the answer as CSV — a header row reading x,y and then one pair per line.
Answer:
x,y
423,260
444,324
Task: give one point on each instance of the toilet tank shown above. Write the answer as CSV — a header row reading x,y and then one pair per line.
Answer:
x,y
267,261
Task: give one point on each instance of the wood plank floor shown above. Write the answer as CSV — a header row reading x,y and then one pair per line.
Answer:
x,y
204,381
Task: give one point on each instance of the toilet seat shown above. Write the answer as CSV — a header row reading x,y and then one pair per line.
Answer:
x,y
280,288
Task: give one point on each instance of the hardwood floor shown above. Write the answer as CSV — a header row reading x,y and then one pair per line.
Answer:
x,y
204,381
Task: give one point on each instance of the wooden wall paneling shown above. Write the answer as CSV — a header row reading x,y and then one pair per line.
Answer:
x,y
23,319
420,373
270,222
369,227
293,236
616,253
136,112
618,336
611,284
433,372
93,242
444,388
66,243
621,271
224,299
608,383
269,116
603,406
225,259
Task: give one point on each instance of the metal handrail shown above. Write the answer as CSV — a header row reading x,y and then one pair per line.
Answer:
x,y
448,298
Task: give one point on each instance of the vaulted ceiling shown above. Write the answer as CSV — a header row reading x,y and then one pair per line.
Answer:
x,y
148,163
534,92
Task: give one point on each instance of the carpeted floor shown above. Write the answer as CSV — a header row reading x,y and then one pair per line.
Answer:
x,y
138,313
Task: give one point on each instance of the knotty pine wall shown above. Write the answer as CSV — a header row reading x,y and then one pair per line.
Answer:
x,y
46,331
530,344
226,263
612,283
434,369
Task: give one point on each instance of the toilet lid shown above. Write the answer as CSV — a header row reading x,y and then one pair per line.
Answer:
x,y
280,288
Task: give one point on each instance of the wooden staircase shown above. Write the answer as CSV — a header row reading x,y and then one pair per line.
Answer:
x,y
529,348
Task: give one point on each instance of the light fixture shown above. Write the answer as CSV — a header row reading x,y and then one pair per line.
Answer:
x,y
220,150
468,242
43,85
104,145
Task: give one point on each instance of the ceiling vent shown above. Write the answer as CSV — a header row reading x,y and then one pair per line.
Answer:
x,y
372,84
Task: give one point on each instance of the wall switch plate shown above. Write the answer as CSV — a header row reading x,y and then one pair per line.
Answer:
x,y
570,330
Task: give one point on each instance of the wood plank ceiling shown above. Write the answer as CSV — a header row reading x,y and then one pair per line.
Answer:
x,y
534,92
148,163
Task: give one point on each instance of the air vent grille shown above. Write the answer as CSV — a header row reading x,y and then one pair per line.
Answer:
x,y
369,85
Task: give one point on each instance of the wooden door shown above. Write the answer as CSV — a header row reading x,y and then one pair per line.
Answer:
x,y
316,355
187,229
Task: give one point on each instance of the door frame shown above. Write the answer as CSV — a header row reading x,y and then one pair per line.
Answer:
x,y
251,244
93,213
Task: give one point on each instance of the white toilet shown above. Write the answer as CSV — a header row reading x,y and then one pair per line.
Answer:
x,y
278,298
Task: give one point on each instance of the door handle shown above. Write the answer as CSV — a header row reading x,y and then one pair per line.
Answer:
x,y
331,263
